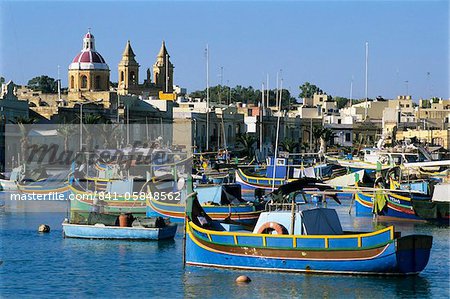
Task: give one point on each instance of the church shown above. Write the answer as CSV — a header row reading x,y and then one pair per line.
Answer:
x,y
89,76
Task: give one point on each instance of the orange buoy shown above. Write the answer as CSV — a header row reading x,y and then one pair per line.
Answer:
x,y
271,227
243,279
123,220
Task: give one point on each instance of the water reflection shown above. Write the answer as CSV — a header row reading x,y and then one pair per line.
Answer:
x,y
203,282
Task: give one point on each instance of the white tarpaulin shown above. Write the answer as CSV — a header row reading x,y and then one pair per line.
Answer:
x,y
346,180
441,193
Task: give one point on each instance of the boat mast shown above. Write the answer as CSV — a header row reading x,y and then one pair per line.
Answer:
x,y
267,90
276,144
167,73
59,88
366,89
261,114
276,95
207,97
351,92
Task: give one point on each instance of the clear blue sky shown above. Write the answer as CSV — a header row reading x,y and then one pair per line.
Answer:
x,y
320,42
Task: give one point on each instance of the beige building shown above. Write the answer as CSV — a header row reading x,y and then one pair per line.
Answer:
x,y
435,111
435,137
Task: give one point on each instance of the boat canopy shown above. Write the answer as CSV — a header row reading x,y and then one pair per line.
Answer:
x,y
321,221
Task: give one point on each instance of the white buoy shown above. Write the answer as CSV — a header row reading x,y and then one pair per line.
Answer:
x,y
44,228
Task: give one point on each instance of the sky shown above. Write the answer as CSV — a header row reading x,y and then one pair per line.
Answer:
x,y
320,42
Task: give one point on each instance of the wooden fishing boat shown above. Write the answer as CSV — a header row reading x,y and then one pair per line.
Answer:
x,y
108,196
438,208
389,203
159,230
309,241
220,201
283,171
373,159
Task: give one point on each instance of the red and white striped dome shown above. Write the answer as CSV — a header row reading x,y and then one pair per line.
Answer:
x,y
88,58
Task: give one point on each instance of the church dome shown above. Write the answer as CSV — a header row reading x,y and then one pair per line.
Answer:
x,y
88,58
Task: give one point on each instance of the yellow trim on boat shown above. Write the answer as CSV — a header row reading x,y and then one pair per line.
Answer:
x,y
220,233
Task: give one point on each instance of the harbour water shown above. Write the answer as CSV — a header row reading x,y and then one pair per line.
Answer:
x,y
47,265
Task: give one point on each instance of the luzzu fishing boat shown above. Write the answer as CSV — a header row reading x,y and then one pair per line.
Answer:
x,y
373,159
220,201
309,241
438,208
36,184
54,187
392,200
280,173
107,196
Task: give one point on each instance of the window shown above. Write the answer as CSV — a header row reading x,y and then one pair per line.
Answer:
x,y
121,76
72,82
97,82
133,78
83,81
347,137
281,162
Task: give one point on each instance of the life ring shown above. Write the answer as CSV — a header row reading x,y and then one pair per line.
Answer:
x,y
270,227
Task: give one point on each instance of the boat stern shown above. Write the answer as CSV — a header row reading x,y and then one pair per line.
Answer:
x,y
413,253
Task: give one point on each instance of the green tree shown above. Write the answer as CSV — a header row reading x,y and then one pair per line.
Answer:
x,y
341,102
247,95
91,119
247,141
43,83
24,124
65,131
307,90
289,145
317,133
328,135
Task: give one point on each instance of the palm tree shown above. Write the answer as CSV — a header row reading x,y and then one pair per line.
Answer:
x,y
110,134
317,133
24,124
327,136
289,145
65,131
91,119
247,141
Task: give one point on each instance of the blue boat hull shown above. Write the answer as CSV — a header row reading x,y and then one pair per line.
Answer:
x,y
396,206
391,261
118,233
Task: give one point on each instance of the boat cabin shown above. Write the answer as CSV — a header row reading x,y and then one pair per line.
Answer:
x,y
374,155
280,167
318,221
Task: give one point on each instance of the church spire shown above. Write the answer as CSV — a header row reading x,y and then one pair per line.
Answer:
x,y
163,51
128,55
128,50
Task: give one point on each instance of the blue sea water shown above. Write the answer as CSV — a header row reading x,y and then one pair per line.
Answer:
x,y
47,266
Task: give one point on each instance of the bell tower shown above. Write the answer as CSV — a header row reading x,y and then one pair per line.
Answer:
x,y
163,70
128,82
